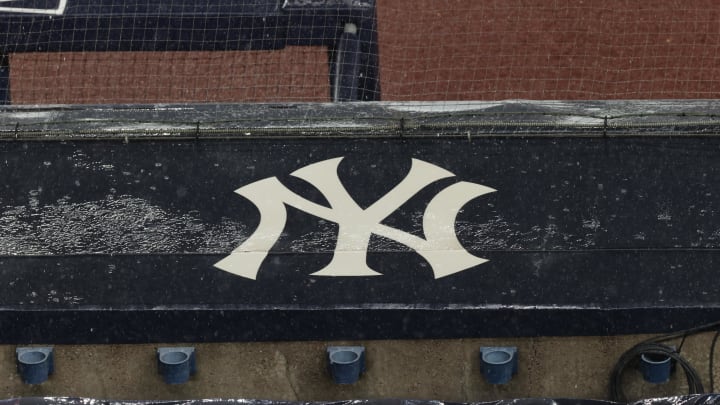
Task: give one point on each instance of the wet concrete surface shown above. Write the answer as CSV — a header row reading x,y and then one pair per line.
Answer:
x,y
449,370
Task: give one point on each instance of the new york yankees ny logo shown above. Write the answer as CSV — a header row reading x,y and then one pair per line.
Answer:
x,y
440,248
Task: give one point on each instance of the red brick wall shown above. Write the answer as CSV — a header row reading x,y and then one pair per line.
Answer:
x,y
539,49
291,74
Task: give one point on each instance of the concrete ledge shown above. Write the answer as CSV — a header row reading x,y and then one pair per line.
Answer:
x,y
441,370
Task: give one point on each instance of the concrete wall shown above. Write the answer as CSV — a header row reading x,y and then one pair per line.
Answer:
x,y
577,367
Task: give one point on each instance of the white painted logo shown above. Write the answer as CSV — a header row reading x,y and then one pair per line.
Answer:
x,y
440,248
20,6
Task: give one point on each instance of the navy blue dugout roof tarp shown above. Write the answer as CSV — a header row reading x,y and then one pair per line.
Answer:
x,y
365,221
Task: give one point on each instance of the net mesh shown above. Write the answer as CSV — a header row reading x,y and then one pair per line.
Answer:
x,y
427,50
592,49
290,74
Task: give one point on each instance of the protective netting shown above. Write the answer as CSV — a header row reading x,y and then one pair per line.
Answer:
x,y
290,74
128,51
536,49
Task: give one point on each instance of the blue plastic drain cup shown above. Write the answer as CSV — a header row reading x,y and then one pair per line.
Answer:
x,y
346,363
176,364
34,364
655,368
498,364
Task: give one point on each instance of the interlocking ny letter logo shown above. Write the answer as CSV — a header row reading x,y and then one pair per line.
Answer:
x,y
440,248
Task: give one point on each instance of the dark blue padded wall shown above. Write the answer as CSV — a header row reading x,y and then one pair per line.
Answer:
x,y
108,236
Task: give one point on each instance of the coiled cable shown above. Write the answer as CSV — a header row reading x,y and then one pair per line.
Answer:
x,y
654,346
694,381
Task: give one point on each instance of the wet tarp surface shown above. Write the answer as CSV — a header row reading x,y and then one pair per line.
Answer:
x,y
137,225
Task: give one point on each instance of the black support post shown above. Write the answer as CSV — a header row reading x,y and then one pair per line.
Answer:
x,y
4,77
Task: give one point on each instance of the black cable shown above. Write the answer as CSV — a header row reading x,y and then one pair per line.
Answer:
x,y
682,342
698,329
693,378
712,355
653,346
